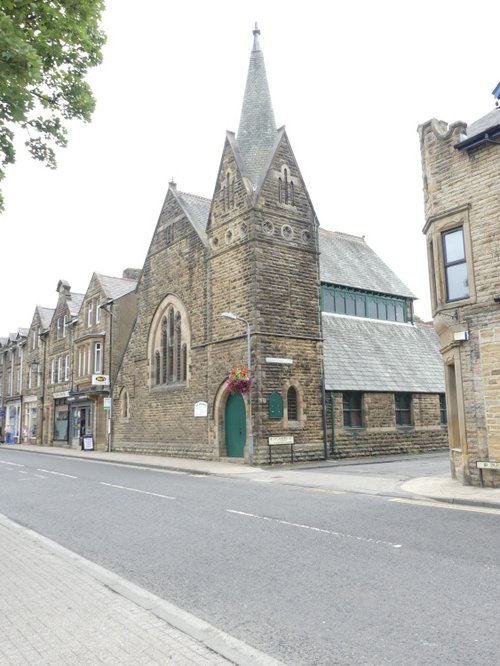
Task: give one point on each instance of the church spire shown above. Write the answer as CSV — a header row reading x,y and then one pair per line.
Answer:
x,y
257,128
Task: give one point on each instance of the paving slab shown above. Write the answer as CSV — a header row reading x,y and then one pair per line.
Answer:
x,y
59,609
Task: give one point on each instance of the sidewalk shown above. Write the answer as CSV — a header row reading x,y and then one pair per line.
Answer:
x,y
59,609
324,476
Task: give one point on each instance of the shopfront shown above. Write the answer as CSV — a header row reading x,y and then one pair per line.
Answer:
x,y
82,419
30,418
61,420
12,422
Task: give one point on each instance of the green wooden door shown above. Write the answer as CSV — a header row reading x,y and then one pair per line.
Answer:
x,y
235,425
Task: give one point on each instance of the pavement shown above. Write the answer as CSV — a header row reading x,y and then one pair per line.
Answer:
x,y
60,609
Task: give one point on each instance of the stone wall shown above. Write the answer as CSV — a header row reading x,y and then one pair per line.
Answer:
x,y
462,188
379,434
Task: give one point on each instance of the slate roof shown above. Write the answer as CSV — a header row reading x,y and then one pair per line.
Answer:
x,y
257,129
197,209
45,315
348,261
75,303
490,120
370,355
115,287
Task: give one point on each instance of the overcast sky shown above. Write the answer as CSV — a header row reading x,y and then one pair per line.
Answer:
x,y
350,81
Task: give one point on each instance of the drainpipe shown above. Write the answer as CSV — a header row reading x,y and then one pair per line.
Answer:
x,y
332,415
323,401
110,415
43,336
108,308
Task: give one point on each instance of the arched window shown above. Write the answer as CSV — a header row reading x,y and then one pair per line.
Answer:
x,y
286,188
178,363
157,368
184,363
168,344
226,191
124,405
164,345
292,404
170,362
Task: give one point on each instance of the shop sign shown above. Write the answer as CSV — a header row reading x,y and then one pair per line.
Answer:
x,y
100,380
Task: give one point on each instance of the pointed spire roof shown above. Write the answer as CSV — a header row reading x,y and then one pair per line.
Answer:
x,y
257,128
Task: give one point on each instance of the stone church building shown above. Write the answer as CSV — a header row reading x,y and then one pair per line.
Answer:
x,y
248,280
461,171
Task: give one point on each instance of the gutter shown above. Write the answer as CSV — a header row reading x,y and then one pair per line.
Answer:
x,y
480,139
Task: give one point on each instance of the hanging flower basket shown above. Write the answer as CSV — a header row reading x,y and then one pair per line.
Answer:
x,y
239,381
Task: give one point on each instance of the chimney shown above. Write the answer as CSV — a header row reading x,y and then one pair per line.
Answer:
x,y
131,273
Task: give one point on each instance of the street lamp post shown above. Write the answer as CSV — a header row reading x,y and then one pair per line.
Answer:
x,y
231,315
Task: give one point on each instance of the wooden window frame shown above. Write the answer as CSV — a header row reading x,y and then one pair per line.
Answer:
x,y
403,407
352,406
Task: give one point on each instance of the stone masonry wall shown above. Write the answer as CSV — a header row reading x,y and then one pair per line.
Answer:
x,y
468,182
161,418
379,434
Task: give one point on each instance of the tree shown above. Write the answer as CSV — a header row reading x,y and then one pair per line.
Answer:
x,y
46,50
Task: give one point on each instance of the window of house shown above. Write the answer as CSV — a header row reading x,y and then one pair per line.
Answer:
x,y
169,344
443,416
53,378
97,357
66,368
80,358
97,311
157,367
36,338
286,188
402,403
228,192
352,407
455,266
90,313
59,328
60,374
292,404
355,302
125,405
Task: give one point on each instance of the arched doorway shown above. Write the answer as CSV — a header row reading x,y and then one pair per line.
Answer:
x,y
235,425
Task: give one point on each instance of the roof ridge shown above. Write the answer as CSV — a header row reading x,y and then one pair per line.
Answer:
x,y
343,233
196,196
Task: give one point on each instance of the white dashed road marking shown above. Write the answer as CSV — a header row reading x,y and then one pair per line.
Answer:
x,y
48,471
134,490
318,529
